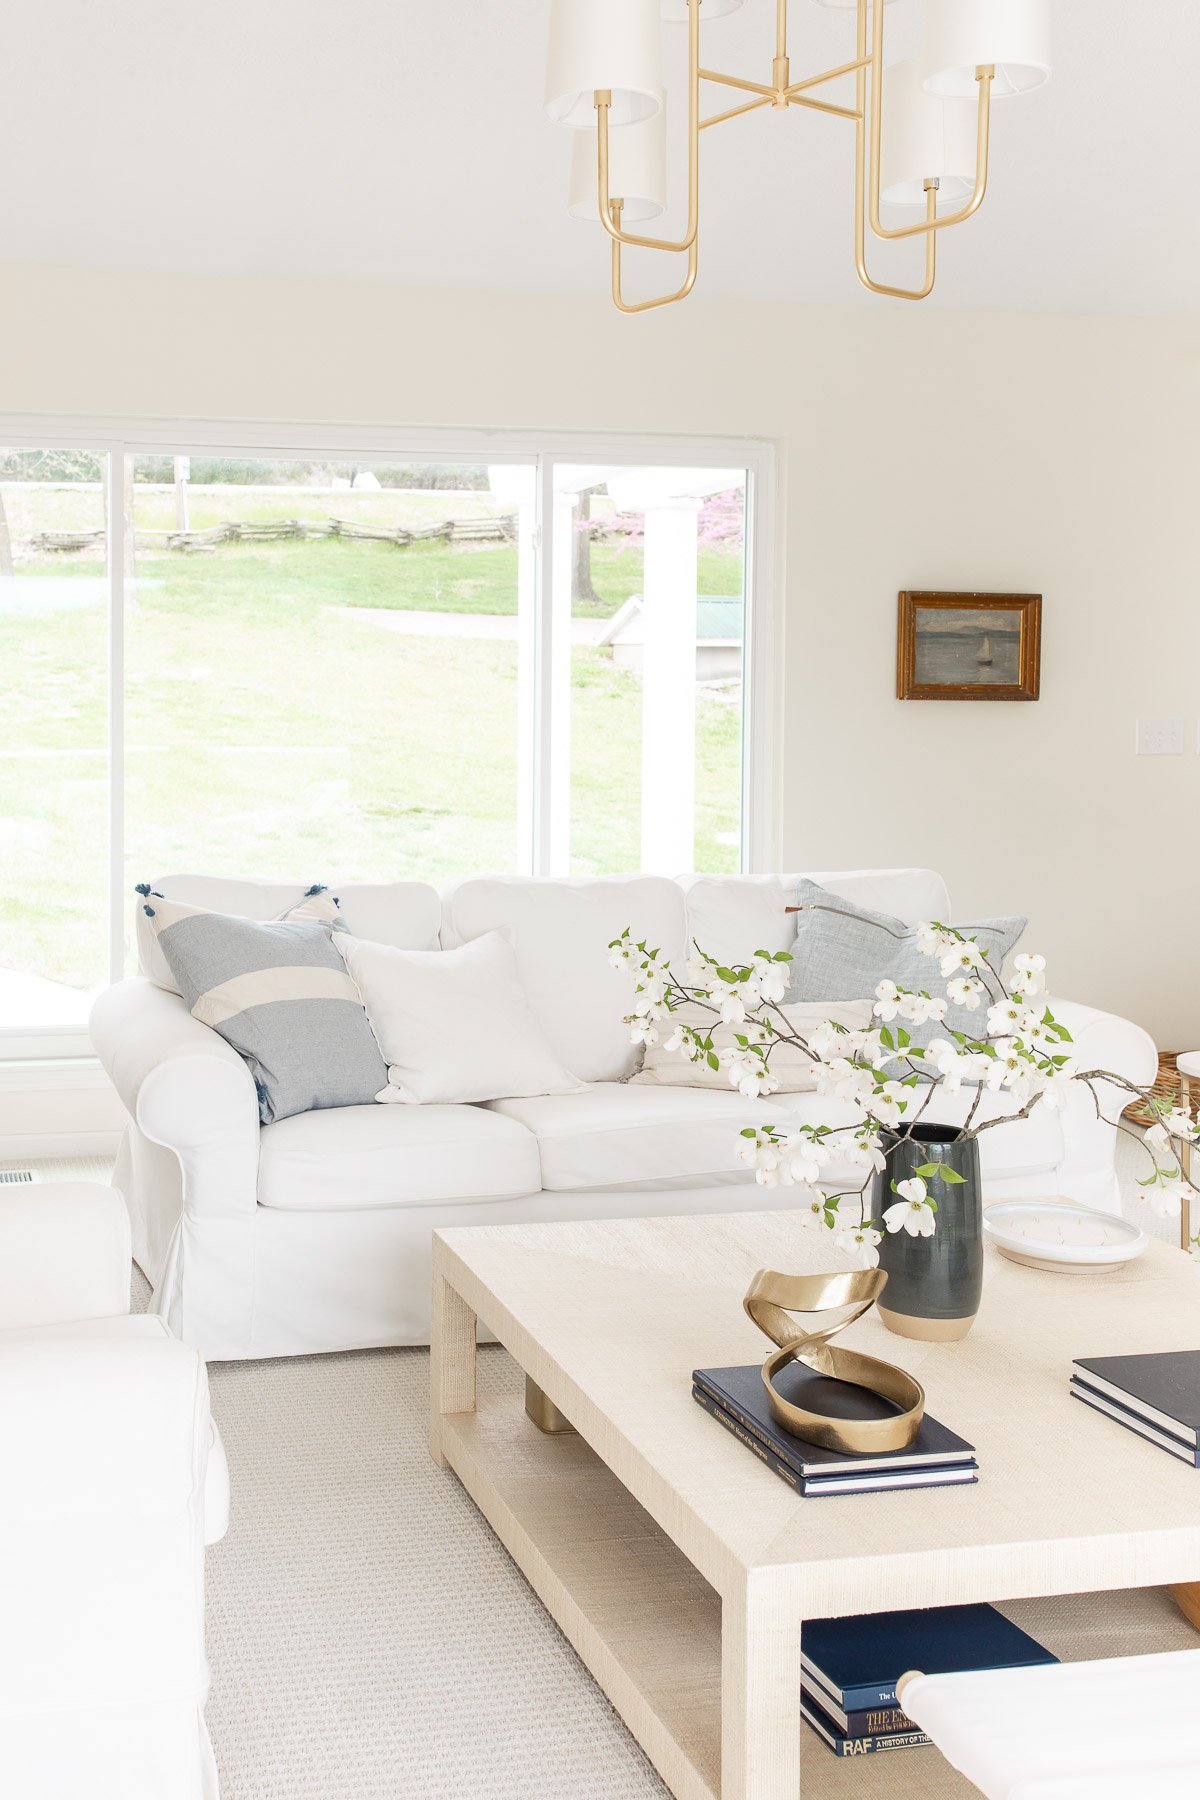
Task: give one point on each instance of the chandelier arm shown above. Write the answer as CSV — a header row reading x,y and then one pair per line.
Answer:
x,y
639,306
603,102
812,81
824,106
983,75
860,178
860,252
738,81
734,112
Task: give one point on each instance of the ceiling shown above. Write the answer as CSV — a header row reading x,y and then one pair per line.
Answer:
x,y
396,142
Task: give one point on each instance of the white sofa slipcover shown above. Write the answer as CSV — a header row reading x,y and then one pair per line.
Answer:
x,y
313,1233
112,1482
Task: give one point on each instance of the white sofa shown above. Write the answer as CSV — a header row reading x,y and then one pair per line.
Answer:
x,y
113,1482
313,1233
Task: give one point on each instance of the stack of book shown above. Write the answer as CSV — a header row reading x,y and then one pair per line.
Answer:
x,y
736,1397
850,1667
1156,1394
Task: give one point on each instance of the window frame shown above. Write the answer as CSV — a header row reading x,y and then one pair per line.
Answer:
x,y
540,711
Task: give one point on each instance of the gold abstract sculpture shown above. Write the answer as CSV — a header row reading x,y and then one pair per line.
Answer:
x,y
772,1298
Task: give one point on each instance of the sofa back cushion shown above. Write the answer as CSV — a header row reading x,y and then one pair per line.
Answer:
x,y
561,930
732,916
405,914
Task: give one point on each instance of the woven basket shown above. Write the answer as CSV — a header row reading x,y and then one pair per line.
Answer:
x,y
1168,1085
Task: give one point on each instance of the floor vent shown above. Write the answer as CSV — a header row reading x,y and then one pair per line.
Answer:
x,y
8,1176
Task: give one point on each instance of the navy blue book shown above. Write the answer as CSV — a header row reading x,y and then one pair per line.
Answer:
x,y
1161,1386
740,1391
856,1662
835,1480
843,1743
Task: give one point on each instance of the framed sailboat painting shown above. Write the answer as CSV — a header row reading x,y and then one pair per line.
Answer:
x,y
969,647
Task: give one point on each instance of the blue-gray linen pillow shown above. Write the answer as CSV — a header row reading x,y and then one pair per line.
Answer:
x,y
281,995
843,951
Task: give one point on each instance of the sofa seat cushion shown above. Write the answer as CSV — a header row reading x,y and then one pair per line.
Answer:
x,y
350,1157
617,1134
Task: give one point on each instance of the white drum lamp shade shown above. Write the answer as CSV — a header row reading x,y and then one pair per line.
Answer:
x,y
613,44
1014,35
675,12
924,138
637,170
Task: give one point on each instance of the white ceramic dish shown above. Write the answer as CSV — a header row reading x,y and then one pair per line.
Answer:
x,y
1055,1235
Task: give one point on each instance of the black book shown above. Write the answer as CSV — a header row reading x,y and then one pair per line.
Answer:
x,y
854,1663
858,1743
835,1481
740,1392
1166,1440
1162,1386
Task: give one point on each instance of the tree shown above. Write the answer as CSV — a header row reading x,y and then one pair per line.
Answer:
x,y
581,558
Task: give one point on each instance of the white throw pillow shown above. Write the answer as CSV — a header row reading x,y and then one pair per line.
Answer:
x,y
454,1025
791,1068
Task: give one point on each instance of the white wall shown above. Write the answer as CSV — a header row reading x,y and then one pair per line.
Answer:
x,y
921,449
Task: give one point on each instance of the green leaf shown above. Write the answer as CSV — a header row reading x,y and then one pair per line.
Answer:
x,y
749,1131
951,1176
927,1169
714,1061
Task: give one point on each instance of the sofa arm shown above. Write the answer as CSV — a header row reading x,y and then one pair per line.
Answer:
x,y
1102,1040
186,1088
64,1253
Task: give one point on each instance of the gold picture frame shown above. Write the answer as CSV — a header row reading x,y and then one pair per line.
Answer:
x,y
969,646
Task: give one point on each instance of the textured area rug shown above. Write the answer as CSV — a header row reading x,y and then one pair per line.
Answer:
x,y
369,1638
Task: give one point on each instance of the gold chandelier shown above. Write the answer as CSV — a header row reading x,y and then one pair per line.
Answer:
x,y
921,128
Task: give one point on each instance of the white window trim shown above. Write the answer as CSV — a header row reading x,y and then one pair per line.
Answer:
x,y
762,710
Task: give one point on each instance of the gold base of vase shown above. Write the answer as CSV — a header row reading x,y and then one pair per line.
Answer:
x,y
935,1331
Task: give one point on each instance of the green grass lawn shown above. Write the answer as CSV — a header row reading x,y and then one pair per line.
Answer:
x,y
269,733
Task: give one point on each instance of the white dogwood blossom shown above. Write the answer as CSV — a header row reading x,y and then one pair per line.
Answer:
x,y
911,1212
861,1242
961,956
966,991
1029,974
887,1001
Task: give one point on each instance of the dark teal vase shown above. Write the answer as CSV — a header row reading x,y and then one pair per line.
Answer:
x,y
933,1283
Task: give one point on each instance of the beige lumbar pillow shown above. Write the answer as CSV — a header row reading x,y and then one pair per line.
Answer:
x,y
792,1069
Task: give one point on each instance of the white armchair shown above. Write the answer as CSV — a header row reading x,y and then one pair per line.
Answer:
x,y
112,1481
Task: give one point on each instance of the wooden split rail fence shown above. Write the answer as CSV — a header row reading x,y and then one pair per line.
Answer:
x,y
500,529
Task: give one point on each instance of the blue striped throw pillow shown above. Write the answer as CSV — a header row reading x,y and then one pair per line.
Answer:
x,y
281,995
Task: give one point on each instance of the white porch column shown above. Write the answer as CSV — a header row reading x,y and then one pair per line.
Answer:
x,y
515,484
526,681
556,762
669,686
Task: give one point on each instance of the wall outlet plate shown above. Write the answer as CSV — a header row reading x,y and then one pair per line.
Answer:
x,y
1159,737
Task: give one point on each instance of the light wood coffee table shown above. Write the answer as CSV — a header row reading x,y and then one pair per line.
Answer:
x,y
681,1570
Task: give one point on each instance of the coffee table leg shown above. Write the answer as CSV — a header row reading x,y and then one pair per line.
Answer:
x,y
451,1358
760,1689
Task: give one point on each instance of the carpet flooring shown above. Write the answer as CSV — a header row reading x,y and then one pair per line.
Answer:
x,y
370,1639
